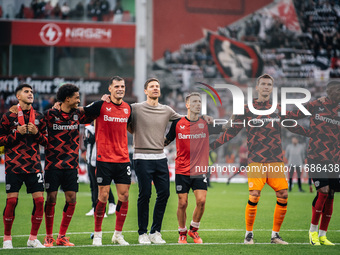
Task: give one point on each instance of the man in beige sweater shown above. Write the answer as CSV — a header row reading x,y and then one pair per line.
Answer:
x,y
149,121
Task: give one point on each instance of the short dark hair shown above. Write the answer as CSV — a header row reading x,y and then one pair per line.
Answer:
x,y
20,87
191,95
66,90
150,80
116,78
333,83
264,76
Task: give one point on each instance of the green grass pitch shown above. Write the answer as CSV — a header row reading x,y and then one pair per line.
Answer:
x,y
222,227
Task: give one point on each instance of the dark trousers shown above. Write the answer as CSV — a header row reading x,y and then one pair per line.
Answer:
x,y
291,173
158,172
91,170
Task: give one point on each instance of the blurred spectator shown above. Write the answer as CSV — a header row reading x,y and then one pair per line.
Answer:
x,y
79,10
48,8
167,56
118,12
91,11
20,14
56,11
65,11
104,6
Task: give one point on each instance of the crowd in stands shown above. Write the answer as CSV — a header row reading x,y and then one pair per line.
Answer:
x,y
312,53
84,10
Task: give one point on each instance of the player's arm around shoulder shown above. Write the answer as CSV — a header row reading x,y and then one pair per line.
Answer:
x,y
9,133
171,135
93,109
41,128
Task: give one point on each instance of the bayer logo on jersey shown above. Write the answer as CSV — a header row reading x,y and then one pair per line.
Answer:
x,y
179,187
126,111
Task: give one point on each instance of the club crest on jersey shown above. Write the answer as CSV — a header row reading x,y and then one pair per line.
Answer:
x,y
75,117
36,122
126,111
181,127
201,125
108,109
321,109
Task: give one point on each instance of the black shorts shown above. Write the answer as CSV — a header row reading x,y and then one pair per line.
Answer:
x,y
321,178
120,173
34,182
185,182
66,178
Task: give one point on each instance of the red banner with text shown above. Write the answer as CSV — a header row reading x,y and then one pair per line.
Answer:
x,y
73,34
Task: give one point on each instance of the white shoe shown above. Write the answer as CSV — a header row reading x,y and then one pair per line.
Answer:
x,y
34,243
90,213
112,209
7,244
105,215
97,238
144,239
156,238
119,238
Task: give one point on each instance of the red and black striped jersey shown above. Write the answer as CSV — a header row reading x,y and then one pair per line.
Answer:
x,y
263,133
111,130
22,154
192,145
62,149
324,129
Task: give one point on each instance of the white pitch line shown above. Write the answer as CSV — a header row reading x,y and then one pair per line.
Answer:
x,y
173,230
142,245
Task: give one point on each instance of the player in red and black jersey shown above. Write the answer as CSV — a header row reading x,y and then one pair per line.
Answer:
x,y
62,159
21,133
264,152
322,158
113,161
192,143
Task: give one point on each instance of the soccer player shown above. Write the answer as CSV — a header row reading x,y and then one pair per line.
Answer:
x,y
91,156
192,144
264,152
148,124
323,154
112,156
295,154
62,159
21,133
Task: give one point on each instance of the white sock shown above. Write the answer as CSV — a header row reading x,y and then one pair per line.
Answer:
x,y
247,232
117,233
322,232
195,224
182,229
98,234
313,228
274,233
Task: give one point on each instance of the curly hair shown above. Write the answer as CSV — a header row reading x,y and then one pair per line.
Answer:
x,y
66,90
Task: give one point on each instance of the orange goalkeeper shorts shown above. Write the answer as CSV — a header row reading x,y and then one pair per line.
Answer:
x,y
271,173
